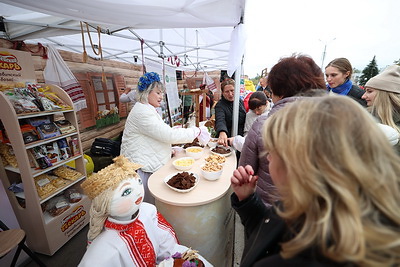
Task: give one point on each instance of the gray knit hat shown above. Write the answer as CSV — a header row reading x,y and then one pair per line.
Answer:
x,y
388,80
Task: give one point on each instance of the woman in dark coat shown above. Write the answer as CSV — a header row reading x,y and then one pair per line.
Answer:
x,y
224,113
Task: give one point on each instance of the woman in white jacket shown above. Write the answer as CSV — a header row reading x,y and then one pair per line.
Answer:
x,y
147,138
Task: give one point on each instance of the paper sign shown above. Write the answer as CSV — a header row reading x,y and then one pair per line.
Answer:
x,y
16,67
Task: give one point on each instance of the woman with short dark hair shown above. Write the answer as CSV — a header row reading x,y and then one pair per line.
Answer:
x,y
291,76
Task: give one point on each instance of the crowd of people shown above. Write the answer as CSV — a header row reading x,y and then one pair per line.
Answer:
x,y
318,181
337,189
318,174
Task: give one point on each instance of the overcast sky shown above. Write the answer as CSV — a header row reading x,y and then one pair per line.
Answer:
x,y
355,29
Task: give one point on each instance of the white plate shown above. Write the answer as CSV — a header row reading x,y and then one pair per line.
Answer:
x,y
166,179
225,155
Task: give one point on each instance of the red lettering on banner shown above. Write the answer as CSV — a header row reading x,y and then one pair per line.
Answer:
x,y
9,62
72,218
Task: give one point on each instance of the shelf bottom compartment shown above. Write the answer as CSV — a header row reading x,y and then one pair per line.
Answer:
x,y
73,210
60,229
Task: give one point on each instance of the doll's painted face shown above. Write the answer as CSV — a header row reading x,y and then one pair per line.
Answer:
x,y
126,199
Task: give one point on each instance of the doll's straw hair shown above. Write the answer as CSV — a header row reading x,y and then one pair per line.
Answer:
x,y
110,176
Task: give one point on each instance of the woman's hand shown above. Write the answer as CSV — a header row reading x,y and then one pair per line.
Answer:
x,y
230,141
204,136
223,139
244,182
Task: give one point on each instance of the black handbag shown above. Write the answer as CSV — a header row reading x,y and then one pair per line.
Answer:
x,y
105,147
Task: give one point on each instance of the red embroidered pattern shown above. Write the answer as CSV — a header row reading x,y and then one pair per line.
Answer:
x,y
164,224
139,244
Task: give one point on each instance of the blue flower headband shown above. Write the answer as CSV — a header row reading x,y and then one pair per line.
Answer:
x,y
147,79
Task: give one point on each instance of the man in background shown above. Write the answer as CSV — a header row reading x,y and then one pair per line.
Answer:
x,y
128,96
263,86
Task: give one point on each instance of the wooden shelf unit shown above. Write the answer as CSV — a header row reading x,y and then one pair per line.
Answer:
x,y
45,234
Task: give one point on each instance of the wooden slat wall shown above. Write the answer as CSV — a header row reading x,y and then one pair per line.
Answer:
x,y
125,75
87,116
119,84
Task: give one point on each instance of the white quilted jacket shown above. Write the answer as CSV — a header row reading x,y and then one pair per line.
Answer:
x,y
147,138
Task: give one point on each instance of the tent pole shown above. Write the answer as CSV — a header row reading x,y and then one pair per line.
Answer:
x,y
137,36
184,96
197,50
235,114
184,39
166,95
162,56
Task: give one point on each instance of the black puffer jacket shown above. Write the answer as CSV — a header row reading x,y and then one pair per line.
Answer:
x,y
265,231
224,117
356,93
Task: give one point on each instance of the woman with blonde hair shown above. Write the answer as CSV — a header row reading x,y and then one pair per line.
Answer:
x,y
147,139
339,186
382,94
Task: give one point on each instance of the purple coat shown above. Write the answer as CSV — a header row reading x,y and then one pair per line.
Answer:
x,y
253,153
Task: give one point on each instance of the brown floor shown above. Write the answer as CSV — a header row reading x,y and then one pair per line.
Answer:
x,y
68,256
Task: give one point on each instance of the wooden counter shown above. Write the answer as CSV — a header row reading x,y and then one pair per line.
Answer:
x,y
202,218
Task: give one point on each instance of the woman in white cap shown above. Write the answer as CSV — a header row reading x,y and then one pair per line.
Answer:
x,y
382,94
147,139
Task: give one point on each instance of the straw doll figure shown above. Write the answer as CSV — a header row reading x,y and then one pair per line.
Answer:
x,y
124,231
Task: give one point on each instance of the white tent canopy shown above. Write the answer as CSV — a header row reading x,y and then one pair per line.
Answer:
x,y
197,32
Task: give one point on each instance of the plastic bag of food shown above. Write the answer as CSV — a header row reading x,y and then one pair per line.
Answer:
x,y
43,185
53,152
65,151
48,104
73,195
8,154
29,133
57,205
17,105
40,155
56,100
